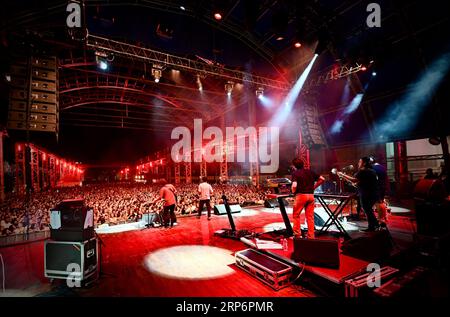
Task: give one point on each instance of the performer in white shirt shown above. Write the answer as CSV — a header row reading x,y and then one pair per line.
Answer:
x,y
205,191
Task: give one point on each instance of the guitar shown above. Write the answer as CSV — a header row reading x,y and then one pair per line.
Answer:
x,y
343,176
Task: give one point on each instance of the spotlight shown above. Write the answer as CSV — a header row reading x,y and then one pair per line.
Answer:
x,y
298,44
199,83
217,16
182,8
363,68
103,65
8,77
156,72
229,88
374,74
260,92
280,38
103,59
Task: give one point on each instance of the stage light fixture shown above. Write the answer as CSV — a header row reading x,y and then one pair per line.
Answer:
x,y
297,45
156,72
103,59
363,68
280,38
217,16
182,8
103,65
260,92
199,83
229,88
374,74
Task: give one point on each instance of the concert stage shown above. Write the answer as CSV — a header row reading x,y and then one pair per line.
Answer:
x,y
187,260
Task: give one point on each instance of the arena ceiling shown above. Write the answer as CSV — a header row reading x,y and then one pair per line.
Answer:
x,y
252,36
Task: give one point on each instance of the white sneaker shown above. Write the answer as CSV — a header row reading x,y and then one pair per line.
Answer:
x,y
175,224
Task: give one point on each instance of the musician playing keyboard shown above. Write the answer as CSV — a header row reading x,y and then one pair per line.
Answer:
x,y
304,182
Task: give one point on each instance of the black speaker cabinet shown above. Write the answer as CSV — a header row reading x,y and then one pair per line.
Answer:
x,y
316,252
71,220
75,261
273,203
374,246
221,210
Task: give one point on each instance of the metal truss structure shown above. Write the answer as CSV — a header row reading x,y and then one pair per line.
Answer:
x,y
188,172
177,173
20,172
335,73
46,169
203,169
303,150
198,67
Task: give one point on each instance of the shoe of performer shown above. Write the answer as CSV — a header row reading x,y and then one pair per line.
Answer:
x,y
209,218
175,224
382,225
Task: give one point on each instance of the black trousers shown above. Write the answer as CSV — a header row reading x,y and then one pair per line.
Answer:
x,y
168,215
208,207
367,205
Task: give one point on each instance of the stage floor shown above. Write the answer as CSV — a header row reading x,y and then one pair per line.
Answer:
x,y
187,260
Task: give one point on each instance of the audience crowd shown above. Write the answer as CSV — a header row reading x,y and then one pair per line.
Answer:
x,y
112,203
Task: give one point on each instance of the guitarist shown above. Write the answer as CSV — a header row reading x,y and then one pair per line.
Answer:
x,y
367,183
167,193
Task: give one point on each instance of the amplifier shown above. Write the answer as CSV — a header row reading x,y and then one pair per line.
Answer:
x,y
71,260
316,252
268,270
221,210
71,220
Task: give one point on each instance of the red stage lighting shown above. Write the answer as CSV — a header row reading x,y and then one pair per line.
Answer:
x,y
217,16
298,44
364,68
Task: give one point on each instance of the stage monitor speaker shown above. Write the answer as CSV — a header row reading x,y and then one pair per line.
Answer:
x,y
221,210
316,252
71,220
151,219
273,203
70,260
375,246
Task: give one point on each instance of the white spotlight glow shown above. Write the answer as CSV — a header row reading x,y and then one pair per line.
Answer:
x,y
265,101
191,262
103,65
229,88
286,108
